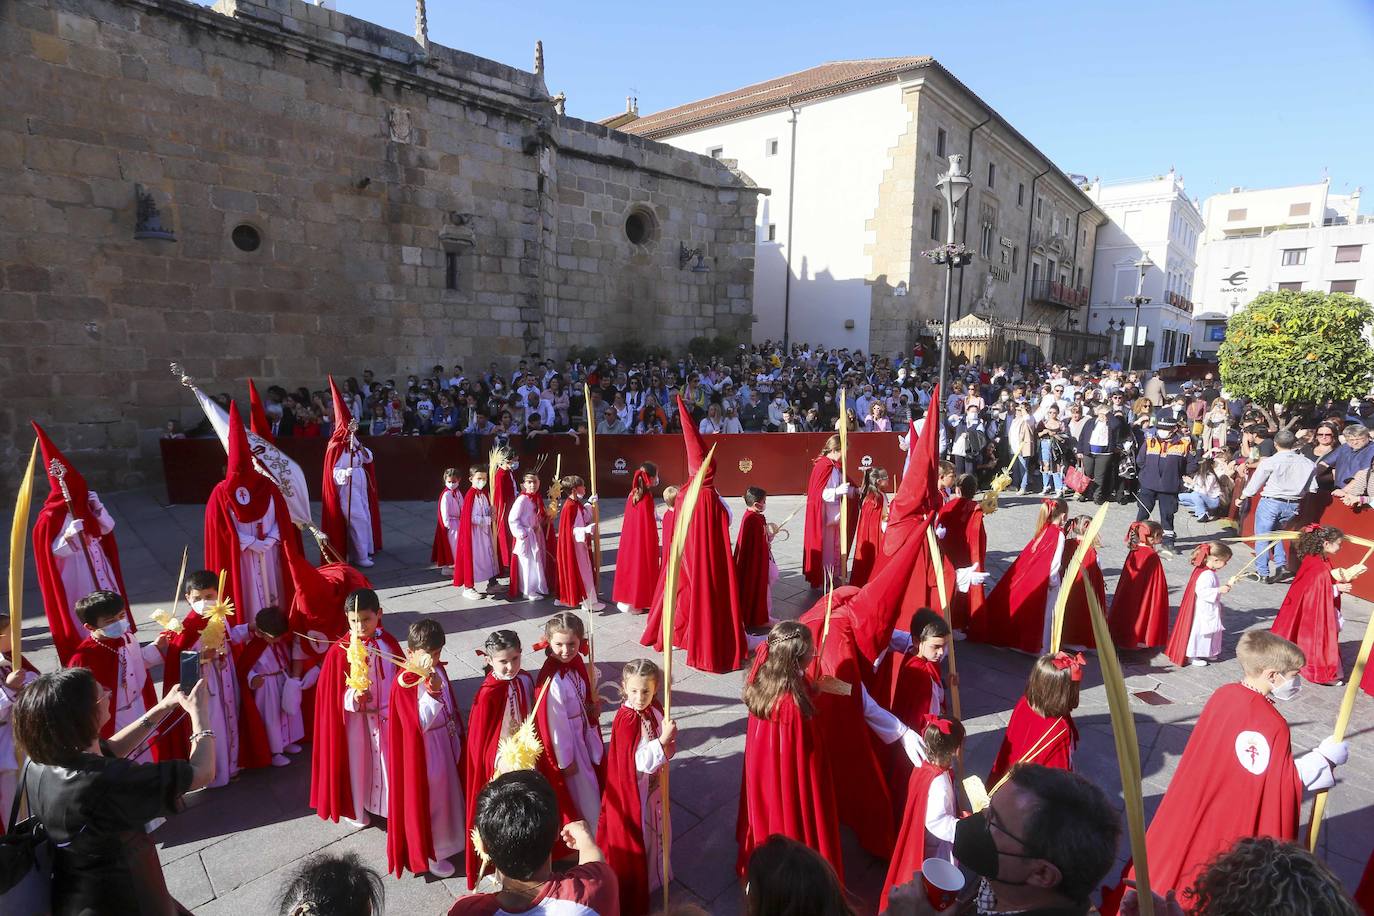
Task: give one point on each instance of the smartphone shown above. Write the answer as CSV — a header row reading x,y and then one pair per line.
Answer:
x,y
190,671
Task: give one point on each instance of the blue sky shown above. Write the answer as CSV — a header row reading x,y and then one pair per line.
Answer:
x,y
1255,94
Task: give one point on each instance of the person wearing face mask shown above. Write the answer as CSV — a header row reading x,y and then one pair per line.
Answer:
x,y
1238,777
530,559
776,409
442,551
119,663
474,556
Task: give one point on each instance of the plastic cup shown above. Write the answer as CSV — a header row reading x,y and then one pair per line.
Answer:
x,y
943,881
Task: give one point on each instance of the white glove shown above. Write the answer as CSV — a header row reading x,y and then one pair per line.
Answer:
x,y
913,745
291,697
341,475
970,576
592,500
256,546
74,529
1338,752
940,531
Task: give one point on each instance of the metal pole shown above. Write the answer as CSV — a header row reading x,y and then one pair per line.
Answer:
x,y
944,334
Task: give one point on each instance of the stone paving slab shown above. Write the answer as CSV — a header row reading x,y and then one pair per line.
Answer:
x,y
230,852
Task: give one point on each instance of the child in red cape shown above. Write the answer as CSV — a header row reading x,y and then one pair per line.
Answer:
x,y
567,722
577,581
425,822
1041,729
931,810
269,713
348,767
1310,615
503,493
788,786
755,568
631,829
317,619
503,702
1139,616
908,682
653,624
868,533
1197,633
637,560
475,566
1078,624
1237,777
120,665
531,564
825,496
1017,613
445,545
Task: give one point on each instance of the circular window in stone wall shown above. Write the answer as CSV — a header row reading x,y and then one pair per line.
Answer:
x,y
640,227
246,237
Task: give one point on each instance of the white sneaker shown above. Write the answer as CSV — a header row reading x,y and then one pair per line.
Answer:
x,y
624,608
292,749
1198,663
443,868
358,823
471,593
1021,492
281,760
365,562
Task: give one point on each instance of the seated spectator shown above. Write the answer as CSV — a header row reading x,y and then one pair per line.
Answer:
x,y
777,408
753,414
610,423
711,423
876,421
651,417
517,821
1354,455
377,426
173,430
787,878
445,416
338,885
730,423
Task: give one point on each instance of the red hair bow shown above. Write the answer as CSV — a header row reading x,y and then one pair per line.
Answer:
x,y
943,726
1074,663
1141,530
1314,526
1050,503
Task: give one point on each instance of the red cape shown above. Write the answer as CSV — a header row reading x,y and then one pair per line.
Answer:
x,y
868,537
503,493
965,544
637,561
52,521
620,829
751,568
1022,741
570,589
903,684
567,807
910,850
462,561
94,653
331,793
333,517
653,624
254,751
318,606
175,740
1364,894
708,621
1177,649
409,831
1139,615
1308,617
1214,799
787,786
222,544
1014,614
1078,624
479,750
439,552
812,567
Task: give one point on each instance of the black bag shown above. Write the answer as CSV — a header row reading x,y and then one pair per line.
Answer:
x,y
26,863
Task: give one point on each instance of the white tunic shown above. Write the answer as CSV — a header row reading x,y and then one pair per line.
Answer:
x,y
356,507
9,762
260,564
274,667
940,819
518,698
526,525
576,744
483,549
367,736
649,760
223,687
450,512
1204,640
134,662
71,562
443,756
583,528
1053,595
832,496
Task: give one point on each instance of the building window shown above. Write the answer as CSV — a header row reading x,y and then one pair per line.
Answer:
x,y
935,223
1343,286
248,238
450,270
1015,257
1080,278
640,227
772,232
1294,256
985,243
1302,209
1083,236
1291,287
716,152
1348,254
1234,215
1021,194
940,141
992,174
1040,208
770,148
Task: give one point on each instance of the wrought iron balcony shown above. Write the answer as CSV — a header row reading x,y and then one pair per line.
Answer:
x,y
1064,295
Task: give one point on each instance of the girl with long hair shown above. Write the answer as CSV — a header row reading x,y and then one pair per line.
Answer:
x,y
1310,615
1198,630
868,533
1041,729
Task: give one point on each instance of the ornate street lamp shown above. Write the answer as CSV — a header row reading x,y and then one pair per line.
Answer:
x,y
1143,265
953,185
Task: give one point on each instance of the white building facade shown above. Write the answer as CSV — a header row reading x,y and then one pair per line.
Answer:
x,y
1154,217
1300,237
850,153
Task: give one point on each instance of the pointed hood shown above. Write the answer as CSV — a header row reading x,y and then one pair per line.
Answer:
x,y
342,415
696,448
249,492
257,416
320,593
76,484
919,492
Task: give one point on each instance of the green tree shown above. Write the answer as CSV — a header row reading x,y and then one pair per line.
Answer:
x,y
1299,346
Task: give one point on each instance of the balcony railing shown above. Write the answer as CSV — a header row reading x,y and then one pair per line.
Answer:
x,y
1179,302
1063,294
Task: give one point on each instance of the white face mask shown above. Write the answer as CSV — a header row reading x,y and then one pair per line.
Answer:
x,y
1287,690
200,605
116,629
479,484
452,486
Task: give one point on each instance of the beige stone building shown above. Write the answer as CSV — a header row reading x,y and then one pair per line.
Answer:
x,y
851,152
270,188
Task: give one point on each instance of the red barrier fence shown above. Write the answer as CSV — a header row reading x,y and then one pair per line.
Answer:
x,y
1326,509
412,467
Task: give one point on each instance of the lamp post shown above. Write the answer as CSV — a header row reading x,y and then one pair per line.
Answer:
x,y
953,185
1143,265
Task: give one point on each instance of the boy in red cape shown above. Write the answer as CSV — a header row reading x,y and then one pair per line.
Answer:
x,y
868,533
1139,616
755,569
567,722
270,723
1017,613
631,830
1198,630
425,821
788,784
965,545
931,810
503,493
317,619
257,416
1041,729
475,566
909,683
349,513
577,580
1310,615
503,702
248,531
73,556
825,492
348,771
445,544
1237,777
1078,624
120,665
637,561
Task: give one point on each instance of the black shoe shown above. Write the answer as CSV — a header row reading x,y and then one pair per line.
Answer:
x,y
1271,579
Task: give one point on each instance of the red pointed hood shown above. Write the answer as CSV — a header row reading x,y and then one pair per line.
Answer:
x,y
257,416
76,484
696,448
919,492
342,415
320,594
249,492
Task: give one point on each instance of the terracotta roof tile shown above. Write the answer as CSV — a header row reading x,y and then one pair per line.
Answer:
x,y
827,79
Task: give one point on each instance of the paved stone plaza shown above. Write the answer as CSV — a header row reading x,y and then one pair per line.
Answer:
x,y
230,851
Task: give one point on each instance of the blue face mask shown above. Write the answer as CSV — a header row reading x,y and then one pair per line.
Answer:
x,y
116,629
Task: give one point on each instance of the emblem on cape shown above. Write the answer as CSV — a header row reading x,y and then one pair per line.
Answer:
x,y
1252,750
242,495
746,465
